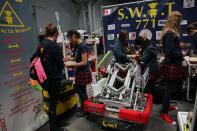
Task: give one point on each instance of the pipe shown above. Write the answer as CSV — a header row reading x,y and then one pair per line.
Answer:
x,y
103,59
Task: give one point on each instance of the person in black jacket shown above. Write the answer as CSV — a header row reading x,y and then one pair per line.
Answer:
x,y
53,67
172,69
148,57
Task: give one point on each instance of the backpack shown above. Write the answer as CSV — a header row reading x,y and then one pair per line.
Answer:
x,y
38,77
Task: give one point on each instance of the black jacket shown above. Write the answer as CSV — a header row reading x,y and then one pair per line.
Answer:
x,y
149,57
54,60
173,54
194,41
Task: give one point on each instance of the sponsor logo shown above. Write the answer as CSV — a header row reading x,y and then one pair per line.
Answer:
x,y
110,36
184,34
184,22
111,27
132,35
117,36
125,25
158,35
163,22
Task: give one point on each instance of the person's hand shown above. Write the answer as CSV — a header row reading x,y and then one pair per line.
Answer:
x,y
196,70
182,45
69,51
137,62
137,58
184,53
66,59
68,65
137,52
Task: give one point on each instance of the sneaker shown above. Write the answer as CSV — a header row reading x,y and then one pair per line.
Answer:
x,y
168,119
172,108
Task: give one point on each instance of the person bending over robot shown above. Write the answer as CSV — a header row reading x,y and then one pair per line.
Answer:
x,y
148,54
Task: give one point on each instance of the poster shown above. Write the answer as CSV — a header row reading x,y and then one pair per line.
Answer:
x,y
144,18
20,105
188,3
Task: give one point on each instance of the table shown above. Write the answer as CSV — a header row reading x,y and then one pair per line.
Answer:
x,y
190,66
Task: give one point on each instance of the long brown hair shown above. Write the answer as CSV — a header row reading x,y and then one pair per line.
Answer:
x,y
190,27
172,24
122,37
51,30
143,42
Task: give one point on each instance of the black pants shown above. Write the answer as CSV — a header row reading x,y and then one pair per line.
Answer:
x,y
169,87
81,90
150,86
53,90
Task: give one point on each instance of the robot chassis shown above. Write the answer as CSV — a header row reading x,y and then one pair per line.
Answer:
x,y
115,102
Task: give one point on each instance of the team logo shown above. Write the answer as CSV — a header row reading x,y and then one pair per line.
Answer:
x,y
146,33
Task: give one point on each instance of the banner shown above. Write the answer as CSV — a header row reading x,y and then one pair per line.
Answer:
x,y
145,18
19,104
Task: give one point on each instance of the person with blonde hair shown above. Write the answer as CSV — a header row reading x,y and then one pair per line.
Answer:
x,y
172,69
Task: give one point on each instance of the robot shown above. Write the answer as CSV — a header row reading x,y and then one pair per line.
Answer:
x,y
126,103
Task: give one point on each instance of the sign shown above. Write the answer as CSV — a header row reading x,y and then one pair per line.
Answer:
x,y
146,18
9,16
132,35
188,3
20,105
109,124
111,27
